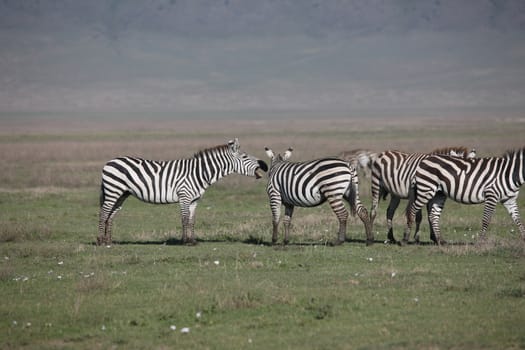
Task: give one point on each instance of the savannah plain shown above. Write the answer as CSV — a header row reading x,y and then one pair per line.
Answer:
x,y
234,290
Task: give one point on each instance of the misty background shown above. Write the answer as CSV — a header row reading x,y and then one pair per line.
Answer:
x,y
263,58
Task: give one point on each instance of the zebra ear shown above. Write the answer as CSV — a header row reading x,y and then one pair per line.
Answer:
x,y
269,153
234,145
288,153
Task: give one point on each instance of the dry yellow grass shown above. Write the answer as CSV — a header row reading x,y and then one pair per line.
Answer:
x,y
71,153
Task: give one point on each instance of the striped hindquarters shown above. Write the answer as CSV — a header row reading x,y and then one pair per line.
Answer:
x,y
394,171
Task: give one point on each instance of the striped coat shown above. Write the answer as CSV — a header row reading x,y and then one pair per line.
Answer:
x,y
309,184
473,181
161,182
392,173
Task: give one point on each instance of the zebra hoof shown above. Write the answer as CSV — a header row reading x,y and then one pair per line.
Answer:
x,y
403,242
101,240
369,242
190,242
336,242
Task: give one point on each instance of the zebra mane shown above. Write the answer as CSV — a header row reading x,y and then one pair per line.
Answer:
x,y
512,152
461,151
210,150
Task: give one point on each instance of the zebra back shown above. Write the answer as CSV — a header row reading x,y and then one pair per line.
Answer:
x,y
455,151
160,182
467,181
394,170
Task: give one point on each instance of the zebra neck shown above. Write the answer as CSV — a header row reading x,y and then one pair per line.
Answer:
x,y
211,170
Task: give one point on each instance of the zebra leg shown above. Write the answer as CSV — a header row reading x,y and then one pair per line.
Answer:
x,y
185,211
375,189
102,227
191,223
512,208
392,206
288,212
435,208
419,218
108,210
488,211
363,215
340,211
414,205
275,206
352,197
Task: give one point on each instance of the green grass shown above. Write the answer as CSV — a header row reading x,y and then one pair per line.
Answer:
x,y
60,290
233,290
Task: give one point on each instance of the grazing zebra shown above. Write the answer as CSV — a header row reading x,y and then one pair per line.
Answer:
x,y
173,181
360,159
392,172
472,181
311,183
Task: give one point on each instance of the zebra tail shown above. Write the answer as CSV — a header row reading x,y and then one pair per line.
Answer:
x,y
102,194
351,197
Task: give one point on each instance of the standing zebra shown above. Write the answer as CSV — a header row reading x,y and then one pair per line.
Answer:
x,y
311,183
392,172
472,181
360,159
162,182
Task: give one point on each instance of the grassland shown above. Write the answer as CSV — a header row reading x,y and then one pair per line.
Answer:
x,y
233,290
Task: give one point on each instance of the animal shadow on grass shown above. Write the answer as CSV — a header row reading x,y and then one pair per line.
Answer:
x,y
178,241
253,240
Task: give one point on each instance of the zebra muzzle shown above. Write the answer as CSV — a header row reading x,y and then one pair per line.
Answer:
x,y
259,173
263,167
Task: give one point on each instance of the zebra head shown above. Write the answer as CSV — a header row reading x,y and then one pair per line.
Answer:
x,y
280,157
244,163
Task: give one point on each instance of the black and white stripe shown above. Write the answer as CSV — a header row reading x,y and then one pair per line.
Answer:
x,y
472,181
392,173
311,183
160,182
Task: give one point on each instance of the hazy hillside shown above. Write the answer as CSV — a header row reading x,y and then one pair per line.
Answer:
x,y
263,57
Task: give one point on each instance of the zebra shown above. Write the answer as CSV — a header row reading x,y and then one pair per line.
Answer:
x,y
161,182
392,172
361,159
472,181
309,184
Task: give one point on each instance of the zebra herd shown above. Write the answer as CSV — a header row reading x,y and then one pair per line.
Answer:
x,y
423,179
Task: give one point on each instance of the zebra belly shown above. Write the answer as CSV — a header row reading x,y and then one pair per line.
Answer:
x,y
308,200
465,197
158,197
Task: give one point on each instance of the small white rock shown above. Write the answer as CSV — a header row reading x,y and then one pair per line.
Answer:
x,y
173,327
185,330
